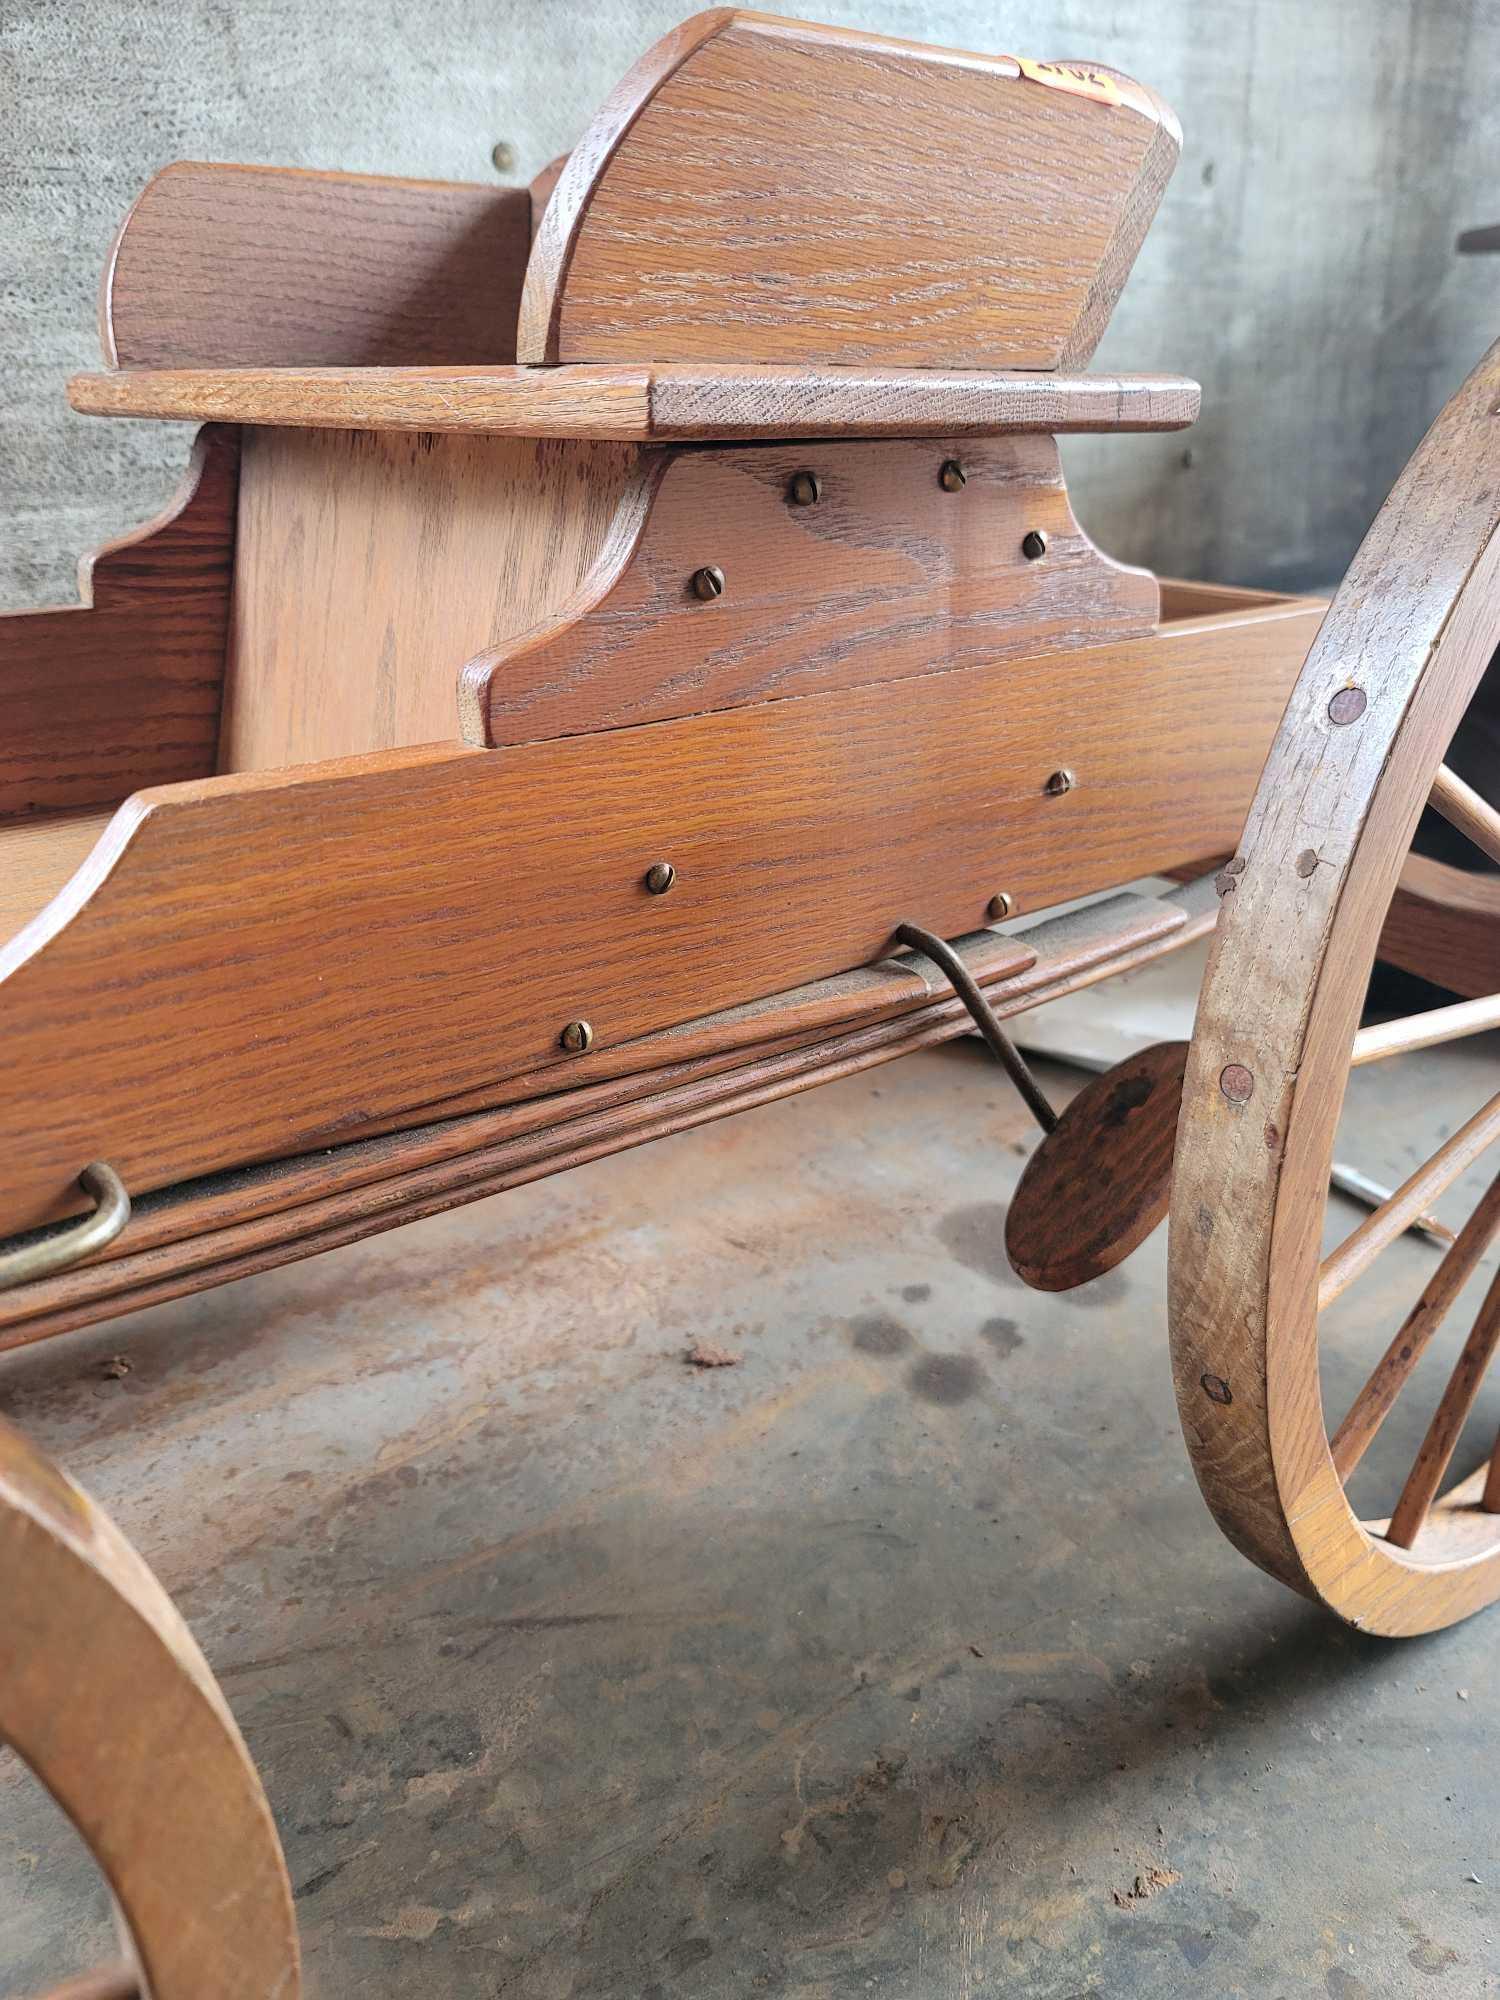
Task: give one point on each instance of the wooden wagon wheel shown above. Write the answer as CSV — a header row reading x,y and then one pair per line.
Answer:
x,y
1360,750
105,1695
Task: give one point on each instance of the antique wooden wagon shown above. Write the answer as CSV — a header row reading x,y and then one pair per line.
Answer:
x,y
621,652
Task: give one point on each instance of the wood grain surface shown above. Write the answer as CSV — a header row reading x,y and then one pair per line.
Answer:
x,y
883,575
122,690
1411,629
201,1234
697,218
1444,925
38,857
372,565
249,961
674,401
106,1696
262,267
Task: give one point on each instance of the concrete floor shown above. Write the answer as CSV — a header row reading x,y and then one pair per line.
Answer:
x,y
884,1662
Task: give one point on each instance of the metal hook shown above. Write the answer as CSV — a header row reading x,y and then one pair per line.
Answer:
x,y
44,1256
967,988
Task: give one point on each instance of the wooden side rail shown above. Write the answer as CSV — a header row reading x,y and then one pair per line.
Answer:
x,y
263,267
291,929
189,1237
728,202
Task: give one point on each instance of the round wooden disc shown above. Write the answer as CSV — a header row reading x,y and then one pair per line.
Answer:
x,y
1100,1182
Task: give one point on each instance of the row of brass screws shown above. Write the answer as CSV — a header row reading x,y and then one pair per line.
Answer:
x,y
805,489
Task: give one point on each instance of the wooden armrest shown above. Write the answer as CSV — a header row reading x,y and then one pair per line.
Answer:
x,y
684,400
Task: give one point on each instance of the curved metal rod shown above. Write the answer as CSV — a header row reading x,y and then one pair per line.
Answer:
x,y
966,986
47,1255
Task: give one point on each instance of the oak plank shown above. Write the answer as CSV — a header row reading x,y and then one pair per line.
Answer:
x,y
40,856
122,690
371,565
1444,925
726,203
349,939
220,266
224,1226
883,575
636,402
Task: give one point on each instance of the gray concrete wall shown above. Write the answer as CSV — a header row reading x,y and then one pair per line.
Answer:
x,y
1302,266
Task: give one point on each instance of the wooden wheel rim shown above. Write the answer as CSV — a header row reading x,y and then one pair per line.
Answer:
x,y
1387,681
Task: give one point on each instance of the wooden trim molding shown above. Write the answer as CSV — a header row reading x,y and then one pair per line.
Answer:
x,y
649,404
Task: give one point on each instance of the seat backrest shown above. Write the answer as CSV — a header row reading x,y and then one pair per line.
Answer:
x,y
243,267
763,190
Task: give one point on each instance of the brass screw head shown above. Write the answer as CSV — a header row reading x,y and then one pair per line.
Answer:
x,y
1003,904
659,877
1060,782
805,489
503,153
708,582
576,1037
1033,545
952,477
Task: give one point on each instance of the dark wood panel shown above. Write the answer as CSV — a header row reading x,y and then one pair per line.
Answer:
x,y
123,690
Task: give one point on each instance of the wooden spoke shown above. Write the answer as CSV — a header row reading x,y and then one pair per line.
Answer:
x,y
1448,1421
105,1695
1425,1031
1374,1402
1394,1217
1462,807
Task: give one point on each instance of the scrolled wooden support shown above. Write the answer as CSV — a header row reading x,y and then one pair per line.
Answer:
x,y
141,656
